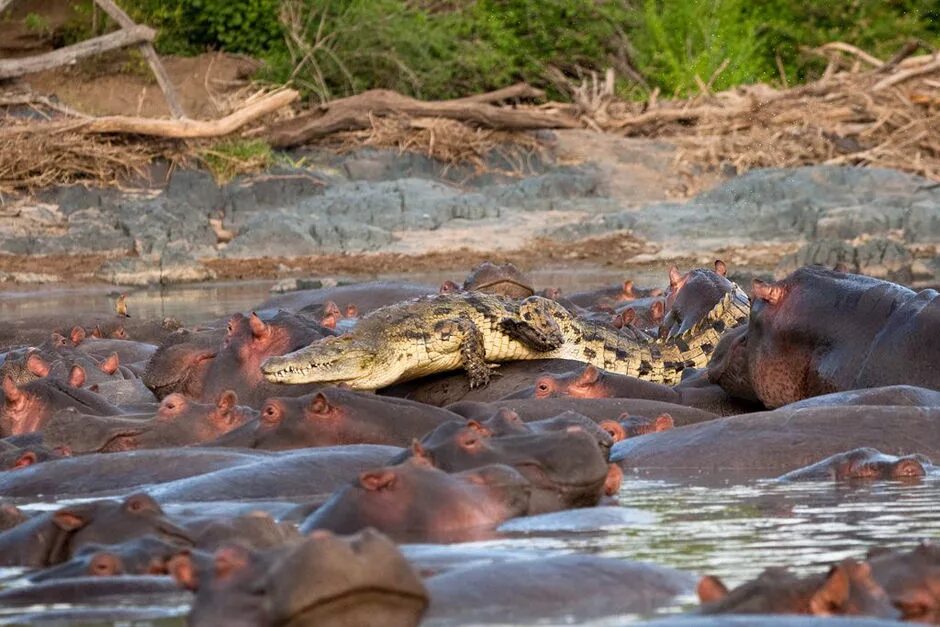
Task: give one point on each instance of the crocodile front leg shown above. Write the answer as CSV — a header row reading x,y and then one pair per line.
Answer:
x,y
536,327
462,331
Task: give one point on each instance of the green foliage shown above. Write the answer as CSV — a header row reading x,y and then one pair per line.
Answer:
x,y
36,23
231,157
440,49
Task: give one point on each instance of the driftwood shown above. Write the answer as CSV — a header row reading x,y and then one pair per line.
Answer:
x,y
11,68
355,113
152,127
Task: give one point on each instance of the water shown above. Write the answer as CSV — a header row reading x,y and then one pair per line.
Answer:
x,y
738,528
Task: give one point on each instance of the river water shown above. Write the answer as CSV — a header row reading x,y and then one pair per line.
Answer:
x,y
733,527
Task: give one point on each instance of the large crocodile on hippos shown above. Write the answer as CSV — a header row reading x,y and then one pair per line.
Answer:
x,y
473,330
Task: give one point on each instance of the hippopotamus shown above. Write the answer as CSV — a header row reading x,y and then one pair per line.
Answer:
x,y
567,468
145,555
334,416
14,457
10,516
891,395
623,292
292,475
181,362
558,589
91,474
592,382
255,530
507,422
446,388
248,342
627,426
504,279
324,580
862,463
28,407
367,296
847,589
819,331
51,538
784,439
415,502
596,409
910,578
178,422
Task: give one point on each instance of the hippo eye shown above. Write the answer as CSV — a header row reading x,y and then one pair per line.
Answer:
x,y
543,387
270,414
135,506
171,405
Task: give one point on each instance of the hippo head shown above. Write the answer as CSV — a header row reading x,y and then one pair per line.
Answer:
x,y
148,555
627,426
691,296
331,359
847,589
589,383
868,463
911,579
503,279
204,422
325,581
26,408
504,422
417,502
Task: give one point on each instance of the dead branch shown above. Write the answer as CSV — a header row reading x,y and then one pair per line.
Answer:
x,y
900,77
519,91
353,113
11,68
175,129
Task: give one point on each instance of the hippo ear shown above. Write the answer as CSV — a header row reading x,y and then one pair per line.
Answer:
x,y
26,459
664,422
227,401
589,376
351,310
183,570
833,594
711,589
418,451
37,365
328,321
628,316
96,332
68,520
449,287
720,268
104,564
110,365
13,395
229,560
331,308
675,278
614,428
319,404
77,376
258,327
768,292
77,335
657,310
375,480
627,290
614,480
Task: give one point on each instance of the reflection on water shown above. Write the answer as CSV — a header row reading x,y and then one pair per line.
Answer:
x,y
740,528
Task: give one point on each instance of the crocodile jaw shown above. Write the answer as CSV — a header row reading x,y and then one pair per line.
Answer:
x,y
322,363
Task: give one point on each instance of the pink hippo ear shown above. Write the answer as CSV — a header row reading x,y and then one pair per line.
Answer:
x,y
77,335
68,520
319,404
721,268
769,292
418,452
628,316
657,311
258,328
589,376
182,569
833,593
627,290
110,365
711,589
13,396
37,365
26,459
664,422
676,279
227,401
614,428
376,480
77,376
352,311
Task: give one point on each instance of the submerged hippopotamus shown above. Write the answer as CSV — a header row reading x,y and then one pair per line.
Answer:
x,y
783,440
415,502
862,463
911,580
819,331
847,589
144,555
28,407
325,581
54,537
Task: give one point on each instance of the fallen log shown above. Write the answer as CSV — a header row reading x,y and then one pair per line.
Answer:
x,y
354,113
11,68
173,129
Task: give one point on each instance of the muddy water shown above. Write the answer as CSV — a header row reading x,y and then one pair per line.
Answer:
x,y
734,529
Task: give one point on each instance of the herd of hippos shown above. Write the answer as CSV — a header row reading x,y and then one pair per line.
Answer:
x,y
307,463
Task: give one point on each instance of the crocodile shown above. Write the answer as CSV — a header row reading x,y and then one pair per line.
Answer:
x,y
474,330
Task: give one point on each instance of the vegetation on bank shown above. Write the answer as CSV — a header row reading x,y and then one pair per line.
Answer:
x,y
446,48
